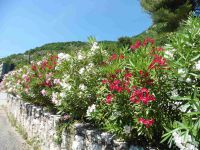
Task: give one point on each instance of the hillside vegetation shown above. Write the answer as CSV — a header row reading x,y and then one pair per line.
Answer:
x,y
37,53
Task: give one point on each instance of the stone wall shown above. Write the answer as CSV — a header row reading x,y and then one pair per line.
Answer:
x,y
41,126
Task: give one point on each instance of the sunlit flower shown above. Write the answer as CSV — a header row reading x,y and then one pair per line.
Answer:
x,y
182,72
81,71
66,86
63,95
90,109
80,56
82,87
197,65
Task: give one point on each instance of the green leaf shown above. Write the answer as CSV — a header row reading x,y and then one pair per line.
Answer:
x,y
195,58
166,137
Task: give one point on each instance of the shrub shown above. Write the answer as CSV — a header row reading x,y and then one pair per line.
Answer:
x,y
185,51
133,99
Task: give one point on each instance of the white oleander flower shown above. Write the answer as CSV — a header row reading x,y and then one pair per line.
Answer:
x,y
169,54
93,49
127,129
80,56
197,65
39,63
94,46
182,72
90,109
63,95
174,93
82,87
188,80
63,57
182,143
66,86
55,99
81,71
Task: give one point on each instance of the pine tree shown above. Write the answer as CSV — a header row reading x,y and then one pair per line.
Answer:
x,y
168,12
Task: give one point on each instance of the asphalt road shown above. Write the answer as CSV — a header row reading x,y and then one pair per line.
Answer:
x,y
9,138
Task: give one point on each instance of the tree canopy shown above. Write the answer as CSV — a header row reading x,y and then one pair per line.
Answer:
x,y
168,12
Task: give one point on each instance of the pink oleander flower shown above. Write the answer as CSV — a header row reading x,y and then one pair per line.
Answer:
x,y
49,75
43,92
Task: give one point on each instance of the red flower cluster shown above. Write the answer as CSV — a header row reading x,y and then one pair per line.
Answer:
x,y
50,63
146,122
138,43
148,40
104,81
109,98
158,60
115,86
141,95
33,67
115,57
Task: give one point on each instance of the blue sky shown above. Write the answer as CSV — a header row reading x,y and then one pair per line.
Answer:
x,y
26,24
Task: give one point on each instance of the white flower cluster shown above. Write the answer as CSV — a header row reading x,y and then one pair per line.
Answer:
x,y
55,98
90,109
169,54
197,65
174,93
64,82
63,57
182,143
182,72
8,81
81,71
93,49
89,67
80,56
170,51
66,86
82,87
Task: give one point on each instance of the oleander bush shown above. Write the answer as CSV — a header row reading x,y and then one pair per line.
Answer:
x,y
140,93
133,100
184,50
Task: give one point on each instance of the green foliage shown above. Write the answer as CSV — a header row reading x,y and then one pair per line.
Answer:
x,y
185,47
